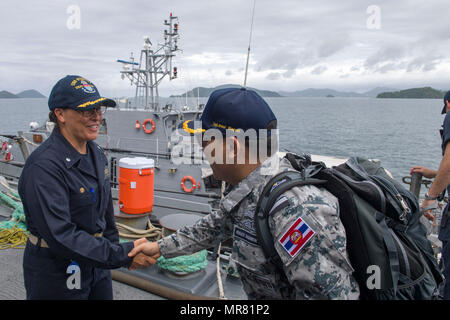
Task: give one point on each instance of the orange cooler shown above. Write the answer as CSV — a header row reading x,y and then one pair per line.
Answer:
x,y
136,180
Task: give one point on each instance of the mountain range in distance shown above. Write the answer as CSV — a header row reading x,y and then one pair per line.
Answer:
x,y
24,94
309,93
379,92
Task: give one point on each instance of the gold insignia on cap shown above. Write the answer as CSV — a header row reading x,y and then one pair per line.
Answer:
x,y
189,130
81,190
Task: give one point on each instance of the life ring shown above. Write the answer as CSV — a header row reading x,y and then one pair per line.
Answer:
x,y
145,128
184,187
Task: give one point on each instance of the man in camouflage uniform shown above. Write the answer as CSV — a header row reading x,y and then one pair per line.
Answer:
x,y
315,261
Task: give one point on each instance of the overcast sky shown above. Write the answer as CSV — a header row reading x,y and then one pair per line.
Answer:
x,y
352,45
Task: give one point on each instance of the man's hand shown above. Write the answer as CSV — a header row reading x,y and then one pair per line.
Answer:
x,y
150,249
142,261
427,214
139,241
427,173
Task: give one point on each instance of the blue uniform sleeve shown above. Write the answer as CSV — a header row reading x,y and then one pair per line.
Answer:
x,y
111,232
47,201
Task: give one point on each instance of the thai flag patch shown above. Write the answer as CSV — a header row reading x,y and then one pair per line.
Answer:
x,y
296,237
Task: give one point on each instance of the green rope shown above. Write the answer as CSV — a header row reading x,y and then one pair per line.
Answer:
x,y
18,216
189,263
13,233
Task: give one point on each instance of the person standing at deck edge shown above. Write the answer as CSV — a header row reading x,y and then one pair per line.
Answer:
x,y
316,266
440,183
66,195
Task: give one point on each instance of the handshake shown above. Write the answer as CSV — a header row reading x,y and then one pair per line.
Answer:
x,y
145,254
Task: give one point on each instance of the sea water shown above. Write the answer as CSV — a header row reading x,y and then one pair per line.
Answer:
x,y
399,132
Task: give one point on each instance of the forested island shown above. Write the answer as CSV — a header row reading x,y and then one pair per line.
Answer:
x,y
24,94
415,93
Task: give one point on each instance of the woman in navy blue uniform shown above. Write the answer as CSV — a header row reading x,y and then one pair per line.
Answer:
x,y
66,194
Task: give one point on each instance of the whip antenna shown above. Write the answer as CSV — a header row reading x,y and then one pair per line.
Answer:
x,y
249,42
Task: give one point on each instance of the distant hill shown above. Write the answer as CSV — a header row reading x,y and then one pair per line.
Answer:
x,y
24,94
206,92
415,93
7,95
30,94
311,92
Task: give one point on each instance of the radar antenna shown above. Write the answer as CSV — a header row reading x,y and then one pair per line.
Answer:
x,y
153,66
249,42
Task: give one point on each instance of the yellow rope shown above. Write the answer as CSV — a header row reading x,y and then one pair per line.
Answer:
x,y
13,238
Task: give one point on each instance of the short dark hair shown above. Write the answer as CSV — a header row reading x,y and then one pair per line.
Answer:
x,y
52,118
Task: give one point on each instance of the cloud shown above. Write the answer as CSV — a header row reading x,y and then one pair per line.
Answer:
x,y
280,58
319,70
273,76
289,73
333,44
424,63
383,56
407,59
294,44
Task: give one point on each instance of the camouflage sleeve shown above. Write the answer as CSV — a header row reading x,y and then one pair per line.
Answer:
x,y
202,235
311,241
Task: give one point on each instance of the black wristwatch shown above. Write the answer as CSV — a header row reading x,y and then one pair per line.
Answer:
x,y
427,197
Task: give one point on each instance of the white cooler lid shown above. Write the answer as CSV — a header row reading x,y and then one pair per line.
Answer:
x,y
136,163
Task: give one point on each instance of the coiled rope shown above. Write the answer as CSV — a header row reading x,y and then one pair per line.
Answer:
x,y
152,233
13,233
13,238
189,263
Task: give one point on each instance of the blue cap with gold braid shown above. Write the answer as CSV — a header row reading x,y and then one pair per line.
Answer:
x,y
77,93
232,109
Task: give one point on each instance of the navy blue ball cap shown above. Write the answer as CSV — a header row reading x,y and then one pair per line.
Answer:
x,y
232,109
446,98
77,93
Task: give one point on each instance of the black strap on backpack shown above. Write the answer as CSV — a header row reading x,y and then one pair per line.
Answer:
x,y
278,185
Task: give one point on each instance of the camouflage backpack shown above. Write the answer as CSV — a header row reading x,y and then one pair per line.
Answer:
x,y
386,242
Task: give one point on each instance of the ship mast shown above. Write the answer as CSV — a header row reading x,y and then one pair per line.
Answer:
x,y
153,66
